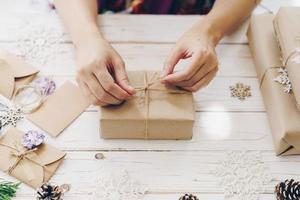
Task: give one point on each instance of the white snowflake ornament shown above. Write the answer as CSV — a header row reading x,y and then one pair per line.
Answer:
x,y
10,116
284,80
118,186
243,175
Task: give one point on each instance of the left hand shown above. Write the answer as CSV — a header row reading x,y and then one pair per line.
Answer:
x,y
198,45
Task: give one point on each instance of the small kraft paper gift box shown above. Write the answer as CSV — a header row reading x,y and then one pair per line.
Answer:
x,y
156,111
32,167
283,115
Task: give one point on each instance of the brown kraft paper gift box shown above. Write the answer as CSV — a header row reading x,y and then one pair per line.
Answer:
x,y
155,112
287,32
281,107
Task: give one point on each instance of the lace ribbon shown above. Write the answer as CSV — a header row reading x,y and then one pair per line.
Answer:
x,y
148,85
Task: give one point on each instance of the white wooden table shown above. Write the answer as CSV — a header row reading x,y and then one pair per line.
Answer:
x,y
167,169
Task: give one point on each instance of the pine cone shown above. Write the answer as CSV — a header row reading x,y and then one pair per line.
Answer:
x,y
49,192
288,190
188,197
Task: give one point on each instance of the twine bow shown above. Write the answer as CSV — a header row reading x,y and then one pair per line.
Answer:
x,y
148,85
20,155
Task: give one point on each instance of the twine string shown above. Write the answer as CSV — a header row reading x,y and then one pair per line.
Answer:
x,y
21,155
146,96
284,62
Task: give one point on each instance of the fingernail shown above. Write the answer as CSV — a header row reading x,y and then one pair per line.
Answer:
x,y
163,80
132,90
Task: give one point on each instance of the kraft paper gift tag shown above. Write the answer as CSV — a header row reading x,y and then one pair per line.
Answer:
x,y
282,112
6,79
13,73
60,109
287,31
32,168
155,112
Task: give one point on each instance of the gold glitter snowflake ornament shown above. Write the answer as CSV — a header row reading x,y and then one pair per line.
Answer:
x,y
240,91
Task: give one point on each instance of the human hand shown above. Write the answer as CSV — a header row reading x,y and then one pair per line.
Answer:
x,y
102,76
199,45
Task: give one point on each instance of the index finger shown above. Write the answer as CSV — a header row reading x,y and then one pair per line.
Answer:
x,y
109,85
198,59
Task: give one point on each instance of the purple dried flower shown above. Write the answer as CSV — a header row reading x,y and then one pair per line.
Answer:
x,y
46,85
32,139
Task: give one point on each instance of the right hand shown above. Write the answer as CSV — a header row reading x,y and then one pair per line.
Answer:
x,y
102,76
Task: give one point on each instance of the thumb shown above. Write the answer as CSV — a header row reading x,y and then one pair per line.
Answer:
x,y
171,62
122,78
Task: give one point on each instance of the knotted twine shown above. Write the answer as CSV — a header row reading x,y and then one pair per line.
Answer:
x,y
283,61
21,155
148,86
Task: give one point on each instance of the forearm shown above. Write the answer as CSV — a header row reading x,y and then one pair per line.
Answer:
x,y
79,17
225,16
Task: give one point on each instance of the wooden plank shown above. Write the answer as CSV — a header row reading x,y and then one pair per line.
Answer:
x,y
216,130
163,29
234,60
160,172
274,5
213,131
76,196
215,97
121,28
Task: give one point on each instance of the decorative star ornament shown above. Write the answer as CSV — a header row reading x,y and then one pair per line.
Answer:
x,y
240,91
284,80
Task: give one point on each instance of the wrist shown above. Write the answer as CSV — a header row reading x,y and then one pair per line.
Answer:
x,y
208,30
87,36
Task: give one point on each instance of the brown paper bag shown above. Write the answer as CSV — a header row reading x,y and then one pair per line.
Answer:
x,y
281,107
287,31
32,168
155,112
13,73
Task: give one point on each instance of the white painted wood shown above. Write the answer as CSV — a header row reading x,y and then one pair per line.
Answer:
x,y
234,60
213,131
274,5
124,28
159,172
167,168
156,197
215,97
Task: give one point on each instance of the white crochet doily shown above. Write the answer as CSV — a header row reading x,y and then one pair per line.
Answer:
x,y
243,175
118,186
38,42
